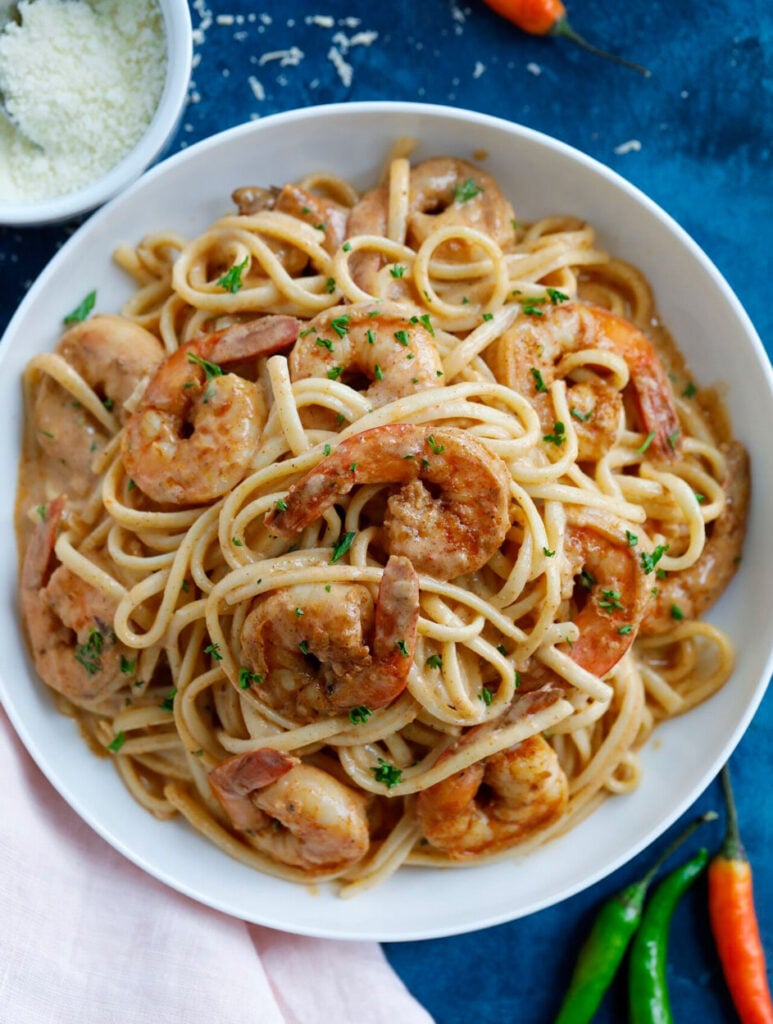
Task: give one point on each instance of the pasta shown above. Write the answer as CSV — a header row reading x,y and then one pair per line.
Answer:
x,y
376,529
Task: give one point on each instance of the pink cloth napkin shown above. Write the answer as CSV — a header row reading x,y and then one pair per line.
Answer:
x,y
88,938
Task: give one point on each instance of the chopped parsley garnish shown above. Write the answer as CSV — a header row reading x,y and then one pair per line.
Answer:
x,y
327,449
370,336
558,436
304,647
117,742
700,498
346,246
632,539
548,553
488,316
587,579
424,319
531,308
676,612
466,190
582,417
436,448
41,510
127,667
397,270
232,279
168,702
340,325
610,601
402,648
387,773
434,661
673,438
502,649
281,505
690,391
309,330
517,680
330,285
359,715
660,574
237,543
486,696
539,383
342,546
556,296
248,678
298,612
88,654
214,650
647,442
325,343
625,630
353,467
649,561
108,403
335,372
210,369
378,372
402,337
82,310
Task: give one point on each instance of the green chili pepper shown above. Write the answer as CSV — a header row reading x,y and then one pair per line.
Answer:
x,y
648,988
604,949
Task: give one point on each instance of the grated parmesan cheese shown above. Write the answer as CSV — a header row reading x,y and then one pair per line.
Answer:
x,y
82,80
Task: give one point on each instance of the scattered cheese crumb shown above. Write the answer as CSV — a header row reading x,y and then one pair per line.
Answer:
x,y
85,101
286,58
257,89
225,19
344,70
323,20
478,70
533,68
632,146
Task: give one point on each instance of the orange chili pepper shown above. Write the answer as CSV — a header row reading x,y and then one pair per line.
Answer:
x,y
548,18
734,922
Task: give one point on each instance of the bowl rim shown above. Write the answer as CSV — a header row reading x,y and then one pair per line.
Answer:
x,y
504,912
178,31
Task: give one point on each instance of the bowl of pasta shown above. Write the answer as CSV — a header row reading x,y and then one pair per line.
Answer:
x,y
383,515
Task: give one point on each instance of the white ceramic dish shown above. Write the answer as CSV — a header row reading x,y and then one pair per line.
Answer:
x,y
163,125
542,176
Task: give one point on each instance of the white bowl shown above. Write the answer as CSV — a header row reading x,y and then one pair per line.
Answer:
x,y
179,52
185,194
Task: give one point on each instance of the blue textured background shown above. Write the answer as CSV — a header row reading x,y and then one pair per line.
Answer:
x,y
703,121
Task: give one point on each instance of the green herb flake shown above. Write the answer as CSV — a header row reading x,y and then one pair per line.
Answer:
x,y
387,773
502,649
486,696
214,650
649,561
128,667
587,579
168,702
676,613
425,320
210,369
370,336
397,270
335,372
436,448
539,383
673,438
324,343
632,539
248,678
231,281
304,647
488,316
531,309
347,246
558,436
402,648
330,285
41,510
464,191
88,654
340,325
82,310
582,417
610,601
626,629
647,442
360,714
556,296
517,680
402,337
117,742
342,546
548,553
690,390
327,449
434,661
378,372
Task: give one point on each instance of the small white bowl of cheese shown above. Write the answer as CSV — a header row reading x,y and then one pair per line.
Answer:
x,y
94,89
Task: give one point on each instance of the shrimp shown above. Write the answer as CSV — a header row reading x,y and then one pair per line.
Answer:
x,y
326,215
499,801
443,192
444,534
528,357
332,625
69,622
112,355
196,429
393,350
294,812
694,590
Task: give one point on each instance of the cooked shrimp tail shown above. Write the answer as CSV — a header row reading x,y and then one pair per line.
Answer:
x,y
233,780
